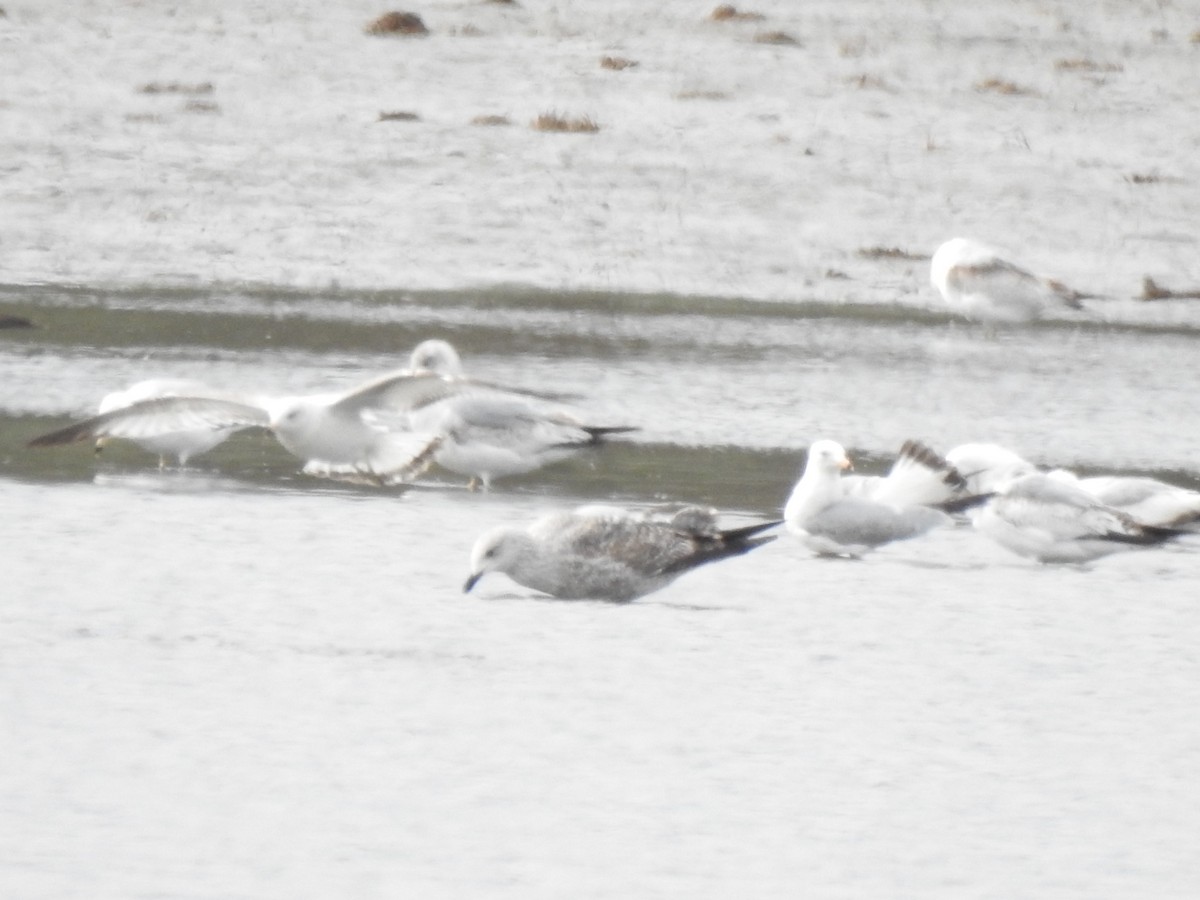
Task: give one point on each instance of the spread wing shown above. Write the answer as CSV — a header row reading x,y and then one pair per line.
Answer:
x,y
157,417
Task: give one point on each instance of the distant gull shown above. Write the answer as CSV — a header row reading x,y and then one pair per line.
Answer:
x,y
168,417
1148,500
606,553
1053,521
977,282
831,523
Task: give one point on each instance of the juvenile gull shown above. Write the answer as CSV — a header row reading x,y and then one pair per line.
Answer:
x,y
168,417
833,524
606,553
1053,521
977,282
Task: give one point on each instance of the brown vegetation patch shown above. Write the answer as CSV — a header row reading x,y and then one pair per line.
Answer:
x,y
1000,86
781,38
177,87
1151,178
891,253
728,13
702,95
1087,65
491,120
1152,291
399,116
403,23
552,121
617,63
868,82
201,106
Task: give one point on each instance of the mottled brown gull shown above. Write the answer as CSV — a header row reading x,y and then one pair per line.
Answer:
x,y
607,553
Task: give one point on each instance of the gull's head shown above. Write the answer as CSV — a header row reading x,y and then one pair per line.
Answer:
x,y
945,258
828,458
292,416
436,356
495,551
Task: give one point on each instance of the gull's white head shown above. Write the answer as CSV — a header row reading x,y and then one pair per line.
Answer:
x,y
954,252
498,550
827,457
436,356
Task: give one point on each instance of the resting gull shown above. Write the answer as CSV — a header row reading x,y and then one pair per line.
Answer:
x,y
1148,500
987,466
606,553
832,523
977,282
1050,520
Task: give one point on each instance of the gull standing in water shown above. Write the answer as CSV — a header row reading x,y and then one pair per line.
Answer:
x,y
166,416
831,523
606,553
487,431
1053,521
977,282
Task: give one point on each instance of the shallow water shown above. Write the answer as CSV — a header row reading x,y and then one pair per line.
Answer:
x,y
233,680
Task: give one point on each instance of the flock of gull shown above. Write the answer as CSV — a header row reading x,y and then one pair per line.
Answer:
x,y
391,429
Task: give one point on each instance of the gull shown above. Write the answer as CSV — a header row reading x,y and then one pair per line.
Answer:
x,y
168,417
1053,521
1148,500
977,282
986,466
831,523
364,431
488,434
606,553
918,477
436,356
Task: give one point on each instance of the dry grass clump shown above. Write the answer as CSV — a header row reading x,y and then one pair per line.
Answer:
x,y
1195,36
702,95
491,121
617,63
177,87
1000,86
201,106
399,116
868,82
552,121
1152,178
728,13
403,23
1152,291
781,38
891,253
1087,65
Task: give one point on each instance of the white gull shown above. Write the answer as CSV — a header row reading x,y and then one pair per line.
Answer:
x,y
831,523
1053,521
1150,501
169,417
977,282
